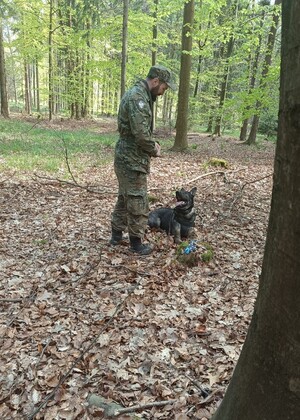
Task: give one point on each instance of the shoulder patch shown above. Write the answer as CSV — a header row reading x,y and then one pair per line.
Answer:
x,y
141,104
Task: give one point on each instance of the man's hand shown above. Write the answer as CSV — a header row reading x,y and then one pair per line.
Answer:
x,y
157,149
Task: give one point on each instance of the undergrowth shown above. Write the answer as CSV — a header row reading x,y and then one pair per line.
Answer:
x,y
28,147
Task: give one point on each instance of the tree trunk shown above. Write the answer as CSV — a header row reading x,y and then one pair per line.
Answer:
x,y
266,65
154,33
27,89
244,129
198,71
37,78
217,130
153,56
33,86
3,88
201,45
210,124
124,46
181,143
86,107
253,73
266,382
78,83
50,62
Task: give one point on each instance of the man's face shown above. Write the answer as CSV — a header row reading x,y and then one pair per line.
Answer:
x,y
159,89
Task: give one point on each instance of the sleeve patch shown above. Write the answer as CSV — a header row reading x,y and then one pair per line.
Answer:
x,y
141,104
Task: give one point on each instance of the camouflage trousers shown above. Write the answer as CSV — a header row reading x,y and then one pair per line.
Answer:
x,y
132,206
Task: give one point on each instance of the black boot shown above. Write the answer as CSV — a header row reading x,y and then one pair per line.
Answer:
x,y
116,237
138,247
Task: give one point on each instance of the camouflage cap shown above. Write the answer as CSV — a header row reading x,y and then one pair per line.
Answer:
x,y
163,74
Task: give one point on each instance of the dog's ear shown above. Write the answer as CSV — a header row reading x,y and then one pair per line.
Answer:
x,y
193,191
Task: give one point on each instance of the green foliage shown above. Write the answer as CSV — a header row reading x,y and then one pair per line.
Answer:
x,y
268,124
208,254
181,247
87,46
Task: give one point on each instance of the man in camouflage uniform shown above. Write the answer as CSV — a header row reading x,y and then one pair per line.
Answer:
x,y
133,151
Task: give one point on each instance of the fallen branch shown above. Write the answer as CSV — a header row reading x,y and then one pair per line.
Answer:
x,y
213,173
43,351
11,300
210,397
114,410
143,407
76,185
68,165
204,175
240,193
256,180
27,299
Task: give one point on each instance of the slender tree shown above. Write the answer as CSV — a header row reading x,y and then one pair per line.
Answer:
x,y
266,380
181,142
27,88
154,33
3,87
50,61
124,45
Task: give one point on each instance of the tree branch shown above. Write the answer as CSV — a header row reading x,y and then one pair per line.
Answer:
x,y
112,409
212,173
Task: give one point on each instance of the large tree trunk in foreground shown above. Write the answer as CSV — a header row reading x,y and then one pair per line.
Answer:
x,y
266,382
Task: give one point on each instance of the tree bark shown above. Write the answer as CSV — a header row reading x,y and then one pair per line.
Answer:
x,y
266,382
181,142
3,88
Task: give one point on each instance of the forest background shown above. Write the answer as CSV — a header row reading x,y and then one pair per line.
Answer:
x,y
69,62
74,58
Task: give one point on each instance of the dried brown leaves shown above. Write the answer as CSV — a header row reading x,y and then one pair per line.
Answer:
x,y
178,331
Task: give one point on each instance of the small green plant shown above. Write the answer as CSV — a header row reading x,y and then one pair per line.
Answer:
x,y
181,247
191,253
208,254
152,198
222,163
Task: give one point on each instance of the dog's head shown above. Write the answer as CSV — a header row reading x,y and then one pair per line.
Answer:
x,y
185,199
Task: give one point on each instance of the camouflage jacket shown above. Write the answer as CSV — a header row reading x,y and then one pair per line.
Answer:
x,y
135,120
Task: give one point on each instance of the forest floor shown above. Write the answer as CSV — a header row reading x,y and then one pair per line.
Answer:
x,y
79,317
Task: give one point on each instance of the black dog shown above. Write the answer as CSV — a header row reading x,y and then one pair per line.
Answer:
x,y
178,221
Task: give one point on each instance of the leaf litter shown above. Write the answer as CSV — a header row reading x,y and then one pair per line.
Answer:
x,y
81,318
